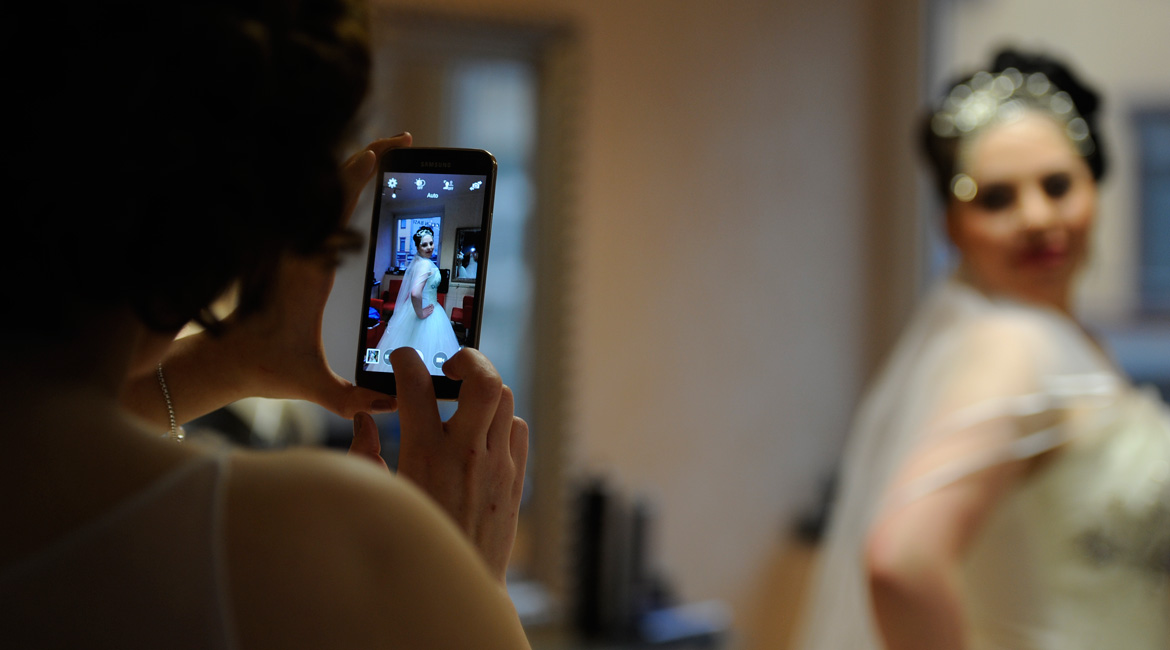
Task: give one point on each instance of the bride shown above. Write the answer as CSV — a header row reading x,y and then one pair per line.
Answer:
x,y
1005,485
419,324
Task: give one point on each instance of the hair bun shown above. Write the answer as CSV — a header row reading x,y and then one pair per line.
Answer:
x,y
1087,100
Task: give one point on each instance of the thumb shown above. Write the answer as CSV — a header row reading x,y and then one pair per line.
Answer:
x,y
343,398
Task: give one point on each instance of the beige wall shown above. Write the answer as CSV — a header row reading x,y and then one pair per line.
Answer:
x,y
720,317
736,218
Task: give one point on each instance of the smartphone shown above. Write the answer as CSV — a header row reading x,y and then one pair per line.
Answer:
x,y
428,255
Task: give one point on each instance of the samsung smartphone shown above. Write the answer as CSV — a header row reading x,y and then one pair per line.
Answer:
x,y
429,243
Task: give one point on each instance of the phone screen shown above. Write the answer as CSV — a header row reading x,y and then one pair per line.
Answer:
x,y
428,256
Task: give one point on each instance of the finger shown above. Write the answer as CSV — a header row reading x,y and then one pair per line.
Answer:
x,y
343,398
418,411
382,145
355,167
478,396
519,448
365,435
359,168
501,428
355,174
366,442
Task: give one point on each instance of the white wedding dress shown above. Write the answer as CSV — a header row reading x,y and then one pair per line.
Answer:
x,y
1077,557
433,336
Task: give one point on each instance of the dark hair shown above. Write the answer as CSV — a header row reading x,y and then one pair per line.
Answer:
x,y
941,152
418,234
169,149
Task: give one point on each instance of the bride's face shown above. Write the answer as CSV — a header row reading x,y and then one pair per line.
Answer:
x,y
426,246
1026,232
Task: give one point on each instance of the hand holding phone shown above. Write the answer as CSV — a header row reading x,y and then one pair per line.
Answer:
x,y
428,253
472,465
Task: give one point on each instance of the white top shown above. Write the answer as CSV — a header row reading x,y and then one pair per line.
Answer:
x,y
89,584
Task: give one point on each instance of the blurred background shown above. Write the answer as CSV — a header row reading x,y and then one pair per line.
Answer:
x,y
711,224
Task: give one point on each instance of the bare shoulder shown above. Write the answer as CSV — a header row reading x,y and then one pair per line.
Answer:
x,y
329,551
1010,345
1016,328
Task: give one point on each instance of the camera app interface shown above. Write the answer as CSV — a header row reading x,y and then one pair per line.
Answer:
x,y
426,266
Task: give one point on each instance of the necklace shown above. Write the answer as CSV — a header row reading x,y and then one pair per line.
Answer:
x,y
176,433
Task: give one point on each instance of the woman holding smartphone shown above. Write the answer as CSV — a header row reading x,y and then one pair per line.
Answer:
x,y
210,150
1005,486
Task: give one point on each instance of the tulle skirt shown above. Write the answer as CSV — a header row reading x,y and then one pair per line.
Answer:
x,y
431,337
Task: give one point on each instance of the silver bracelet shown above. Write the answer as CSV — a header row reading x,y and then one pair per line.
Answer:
x,y
176,433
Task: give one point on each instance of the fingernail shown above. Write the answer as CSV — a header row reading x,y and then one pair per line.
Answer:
x,y
382,404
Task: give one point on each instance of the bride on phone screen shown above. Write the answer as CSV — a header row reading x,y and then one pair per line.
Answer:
x,y
419,321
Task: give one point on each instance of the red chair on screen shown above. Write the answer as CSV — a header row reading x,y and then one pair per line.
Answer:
x,y
464,315
389,297
374,334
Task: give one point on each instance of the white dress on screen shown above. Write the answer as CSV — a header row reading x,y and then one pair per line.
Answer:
x,y
433,337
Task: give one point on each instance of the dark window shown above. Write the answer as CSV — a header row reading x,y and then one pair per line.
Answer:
x,y
1153,135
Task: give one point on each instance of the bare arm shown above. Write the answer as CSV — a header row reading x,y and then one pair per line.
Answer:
x,y
416,299
913,558
916,546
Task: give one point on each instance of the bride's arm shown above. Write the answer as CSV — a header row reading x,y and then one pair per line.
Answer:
x,y
916,546
416,298
913,558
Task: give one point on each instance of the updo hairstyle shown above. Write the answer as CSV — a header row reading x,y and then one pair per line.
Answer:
x,y
420,233
1016,80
